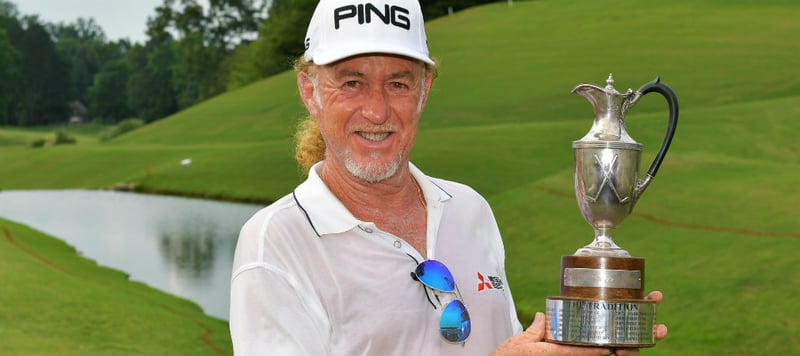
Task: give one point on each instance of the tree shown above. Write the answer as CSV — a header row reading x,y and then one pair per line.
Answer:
x,y
80,44
150,86
279,43
53,66
187,49
8,71
8,65
284,33
150,94
108,95
229,22
207,40
44,84
241,66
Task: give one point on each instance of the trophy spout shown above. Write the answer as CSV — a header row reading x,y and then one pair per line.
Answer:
x,y
609,107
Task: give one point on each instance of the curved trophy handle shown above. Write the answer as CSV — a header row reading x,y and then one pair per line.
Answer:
x,y
663,89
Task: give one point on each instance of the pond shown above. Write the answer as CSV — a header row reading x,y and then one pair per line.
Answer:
x,y
183,246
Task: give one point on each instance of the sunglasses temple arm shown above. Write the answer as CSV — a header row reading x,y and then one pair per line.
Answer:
x,y
427,295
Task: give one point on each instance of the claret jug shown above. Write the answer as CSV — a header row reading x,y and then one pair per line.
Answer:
x,y
602,299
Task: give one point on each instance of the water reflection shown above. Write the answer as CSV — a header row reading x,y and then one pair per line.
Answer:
x,y
180,245
189,248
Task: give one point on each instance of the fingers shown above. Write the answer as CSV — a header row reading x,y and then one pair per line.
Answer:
x,y
626,352
660,332
535,334
655,296
531,343
546,348
536,331
526,342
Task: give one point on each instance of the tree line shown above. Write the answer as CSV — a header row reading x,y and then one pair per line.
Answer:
x,y
50,72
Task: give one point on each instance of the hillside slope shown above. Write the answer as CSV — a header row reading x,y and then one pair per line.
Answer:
x,y
718,226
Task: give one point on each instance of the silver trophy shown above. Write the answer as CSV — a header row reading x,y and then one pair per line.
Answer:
x,y
602,287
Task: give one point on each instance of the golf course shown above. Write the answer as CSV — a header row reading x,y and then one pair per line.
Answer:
x,y
719,226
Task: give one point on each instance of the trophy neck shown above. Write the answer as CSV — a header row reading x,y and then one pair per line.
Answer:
x,y
603,245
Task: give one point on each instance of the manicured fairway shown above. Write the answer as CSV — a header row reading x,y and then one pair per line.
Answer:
x,y
718,227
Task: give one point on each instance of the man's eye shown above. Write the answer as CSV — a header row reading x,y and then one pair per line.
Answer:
x,y
351,84
398,85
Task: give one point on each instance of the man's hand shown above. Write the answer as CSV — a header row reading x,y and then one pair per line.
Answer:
x,y
531,343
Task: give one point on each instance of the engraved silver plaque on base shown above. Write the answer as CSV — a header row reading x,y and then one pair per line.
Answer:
x,y
602,323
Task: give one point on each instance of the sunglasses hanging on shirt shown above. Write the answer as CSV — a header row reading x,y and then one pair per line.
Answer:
x,y
454,323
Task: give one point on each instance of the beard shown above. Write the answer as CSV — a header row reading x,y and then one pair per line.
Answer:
x,y
371,172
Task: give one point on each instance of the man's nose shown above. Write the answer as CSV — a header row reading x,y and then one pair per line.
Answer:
x,y
376,105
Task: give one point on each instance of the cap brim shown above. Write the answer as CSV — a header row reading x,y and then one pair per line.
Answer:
x,y
337,54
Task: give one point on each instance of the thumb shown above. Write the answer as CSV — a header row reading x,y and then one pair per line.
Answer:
x,y
536,331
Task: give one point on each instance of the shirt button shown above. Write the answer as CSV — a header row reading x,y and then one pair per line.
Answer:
x,y
397,244
368,230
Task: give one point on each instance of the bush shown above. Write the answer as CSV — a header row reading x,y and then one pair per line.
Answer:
x,y
121,128
39,142
63,137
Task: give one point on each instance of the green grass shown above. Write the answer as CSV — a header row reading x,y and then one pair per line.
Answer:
x,y
14,137
718,227
54,302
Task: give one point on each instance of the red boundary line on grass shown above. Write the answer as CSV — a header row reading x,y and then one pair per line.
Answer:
x,y
651,218
31,253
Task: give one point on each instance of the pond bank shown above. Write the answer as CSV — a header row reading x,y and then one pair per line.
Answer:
x,y
57,302
136,188
183,246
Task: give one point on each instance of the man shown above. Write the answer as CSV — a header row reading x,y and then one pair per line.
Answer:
x,y
366,256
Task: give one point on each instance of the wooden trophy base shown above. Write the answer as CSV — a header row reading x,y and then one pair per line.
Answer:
x,y
601,304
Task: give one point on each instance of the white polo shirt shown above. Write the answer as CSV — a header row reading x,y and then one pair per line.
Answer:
x,y
311,279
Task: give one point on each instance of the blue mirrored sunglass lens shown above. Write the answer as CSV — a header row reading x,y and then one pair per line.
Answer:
x,y
434,274
455,323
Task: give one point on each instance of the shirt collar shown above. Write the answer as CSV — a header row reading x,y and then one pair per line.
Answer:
x,y
327,215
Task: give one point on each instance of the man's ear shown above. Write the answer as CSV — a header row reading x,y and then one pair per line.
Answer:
x,y
306,89
428,85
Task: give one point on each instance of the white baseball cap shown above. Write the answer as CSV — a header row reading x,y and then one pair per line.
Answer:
x,y
344,28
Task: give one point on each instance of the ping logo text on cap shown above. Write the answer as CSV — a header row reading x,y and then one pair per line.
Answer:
x,y
394,15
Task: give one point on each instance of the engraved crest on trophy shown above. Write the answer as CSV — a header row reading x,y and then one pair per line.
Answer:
x,y
602,286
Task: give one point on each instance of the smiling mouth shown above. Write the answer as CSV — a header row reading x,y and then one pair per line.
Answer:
x,y
373,136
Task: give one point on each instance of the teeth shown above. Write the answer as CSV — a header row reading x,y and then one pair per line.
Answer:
x,y
374,136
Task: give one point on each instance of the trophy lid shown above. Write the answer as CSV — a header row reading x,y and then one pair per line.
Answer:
x,y
610,107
